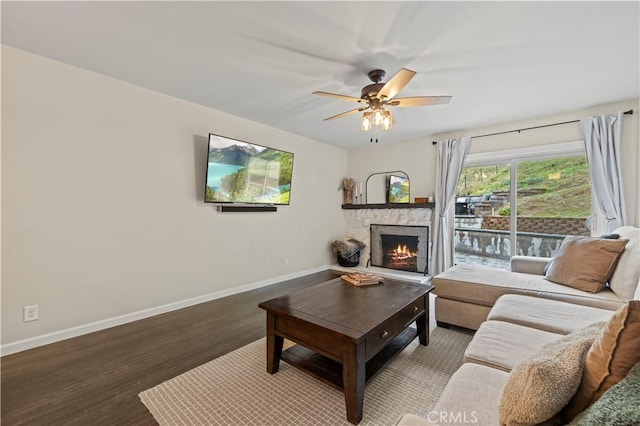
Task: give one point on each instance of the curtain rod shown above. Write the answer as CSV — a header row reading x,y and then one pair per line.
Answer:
x,y
630,112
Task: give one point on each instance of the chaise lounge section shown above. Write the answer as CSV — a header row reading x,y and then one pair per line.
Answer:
x,y
466,293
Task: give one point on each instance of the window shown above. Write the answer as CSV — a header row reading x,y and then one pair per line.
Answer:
x,y
549,190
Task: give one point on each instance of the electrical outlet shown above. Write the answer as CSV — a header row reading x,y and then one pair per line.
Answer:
x,y
286,261
30,313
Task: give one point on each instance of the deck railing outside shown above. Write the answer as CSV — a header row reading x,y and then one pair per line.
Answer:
x,y
493,247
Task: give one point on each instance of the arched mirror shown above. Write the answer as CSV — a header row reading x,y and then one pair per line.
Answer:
x,y
377,187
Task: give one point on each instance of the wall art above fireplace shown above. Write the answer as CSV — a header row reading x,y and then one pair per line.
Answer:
x,y
401,247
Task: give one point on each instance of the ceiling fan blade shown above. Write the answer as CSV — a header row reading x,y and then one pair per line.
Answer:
x,y
396,84
419,101
344,114
337,96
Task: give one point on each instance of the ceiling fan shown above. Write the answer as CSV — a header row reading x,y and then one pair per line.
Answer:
x,y
378,96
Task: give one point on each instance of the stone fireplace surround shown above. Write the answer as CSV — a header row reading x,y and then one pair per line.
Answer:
x,y
357,225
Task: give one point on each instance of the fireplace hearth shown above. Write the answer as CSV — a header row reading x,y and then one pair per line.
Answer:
x,y
401,247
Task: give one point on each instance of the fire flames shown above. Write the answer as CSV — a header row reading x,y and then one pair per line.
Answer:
x,y
403,252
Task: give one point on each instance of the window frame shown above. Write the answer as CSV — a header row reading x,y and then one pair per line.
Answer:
x,y
513,157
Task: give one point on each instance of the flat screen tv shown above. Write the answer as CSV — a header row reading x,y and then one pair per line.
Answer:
x,y
246,173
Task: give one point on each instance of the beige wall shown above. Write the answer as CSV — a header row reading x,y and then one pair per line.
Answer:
x,y
420,163
102,211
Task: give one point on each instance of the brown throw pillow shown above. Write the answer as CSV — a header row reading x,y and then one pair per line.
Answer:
x,y
613,353
585,263
540,386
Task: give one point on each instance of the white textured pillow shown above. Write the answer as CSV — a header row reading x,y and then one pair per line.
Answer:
x,y
539,387
624,280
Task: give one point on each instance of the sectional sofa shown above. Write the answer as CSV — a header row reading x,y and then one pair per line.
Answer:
x,y
538,342
525,366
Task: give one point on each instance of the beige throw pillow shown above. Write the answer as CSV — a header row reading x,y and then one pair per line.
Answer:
x,y
539,387
585,263
613,353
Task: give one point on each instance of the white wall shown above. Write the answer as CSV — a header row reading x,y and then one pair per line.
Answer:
x,y
417,158
102,200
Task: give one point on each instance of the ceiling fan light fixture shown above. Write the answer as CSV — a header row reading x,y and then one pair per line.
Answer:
x,y
377,117
380,117
366,122
386,120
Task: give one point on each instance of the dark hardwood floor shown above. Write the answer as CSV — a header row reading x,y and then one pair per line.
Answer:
x,y
95,379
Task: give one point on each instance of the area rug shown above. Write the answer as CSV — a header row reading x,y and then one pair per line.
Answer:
x,y
236,389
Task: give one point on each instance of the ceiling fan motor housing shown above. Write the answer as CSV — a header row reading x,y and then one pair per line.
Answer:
x,y
369,92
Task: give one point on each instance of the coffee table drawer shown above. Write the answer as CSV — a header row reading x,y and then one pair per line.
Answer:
x,y
386,331
312,336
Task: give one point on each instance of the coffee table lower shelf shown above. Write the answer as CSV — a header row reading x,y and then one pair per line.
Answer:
x,y
330,371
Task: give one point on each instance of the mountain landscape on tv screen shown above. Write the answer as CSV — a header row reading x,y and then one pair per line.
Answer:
x,y
234,154
247,174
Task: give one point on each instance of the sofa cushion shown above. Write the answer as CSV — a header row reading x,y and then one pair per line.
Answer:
x,y
474,391
502,345
545,314
482,285
617,406
569,267
613,353
624,280
539,387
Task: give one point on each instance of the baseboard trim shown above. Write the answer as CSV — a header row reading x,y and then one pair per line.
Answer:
x,y
56,336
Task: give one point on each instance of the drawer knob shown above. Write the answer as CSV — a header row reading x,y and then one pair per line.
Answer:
x,y
415,309
384,334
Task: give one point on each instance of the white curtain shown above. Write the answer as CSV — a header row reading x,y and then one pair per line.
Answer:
x,y
602,142
451,154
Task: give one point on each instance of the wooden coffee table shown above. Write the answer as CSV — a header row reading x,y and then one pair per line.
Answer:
x,y
346,334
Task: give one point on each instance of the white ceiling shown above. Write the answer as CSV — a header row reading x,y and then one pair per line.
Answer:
x,y
501,61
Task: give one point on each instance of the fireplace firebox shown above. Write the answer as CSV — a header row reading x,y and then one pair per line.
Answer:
x,y
401,247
